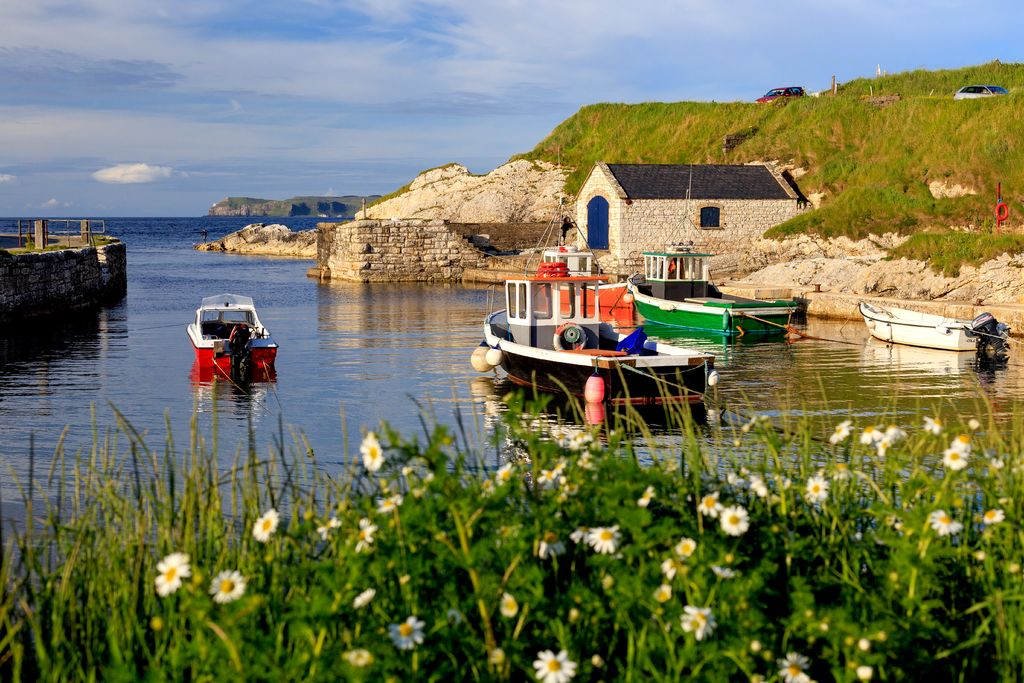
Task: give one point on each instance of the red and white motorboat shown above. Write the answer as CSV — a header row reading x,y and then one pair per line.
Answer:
x,y
227,334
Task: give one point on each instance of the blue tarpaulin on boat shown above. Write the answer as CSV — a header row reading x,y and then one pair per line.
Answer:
x,y
634,343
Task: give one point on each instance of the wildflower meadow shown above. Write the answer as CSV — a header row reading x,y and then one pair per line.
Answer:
x,y
810,551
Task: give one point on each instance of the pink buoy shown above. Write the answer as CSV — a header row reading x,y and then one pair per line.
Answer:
x,y
593,392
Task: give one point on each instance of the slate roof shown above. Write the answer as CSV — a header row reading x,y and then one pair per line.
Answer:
x,y
708,181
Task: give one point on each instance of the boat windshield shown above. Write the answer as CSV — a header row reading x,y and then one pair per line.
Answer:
x,y
231,316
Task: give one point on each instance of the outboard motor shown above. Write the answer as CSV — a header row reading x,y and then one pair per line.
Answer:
x,y
241,353
992,337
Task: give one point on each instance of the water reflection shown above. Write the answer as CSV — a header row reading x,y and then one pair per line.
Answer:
x,y
214,390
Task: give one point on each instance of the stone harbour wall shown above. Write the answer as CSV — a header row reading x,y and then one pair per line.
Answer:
x,y
53,282
412,250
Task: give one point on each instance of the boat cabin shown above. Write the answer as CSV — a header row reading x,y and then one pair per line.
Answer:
x,y
545,312
677,274
217,316
579,262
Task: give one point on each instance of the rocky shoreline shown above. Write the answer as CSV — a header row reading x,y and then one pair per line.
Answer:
x,y
266,240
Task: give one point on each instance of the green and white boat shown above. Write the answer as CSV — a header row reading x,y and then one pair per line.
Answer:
x,y
675,292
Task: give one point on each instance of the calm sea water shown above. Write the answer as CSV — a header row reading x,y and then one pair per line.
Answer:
x,y
353,355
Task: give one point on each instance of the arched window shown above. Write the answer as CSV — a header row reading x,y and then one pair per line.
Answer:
x,y
710,217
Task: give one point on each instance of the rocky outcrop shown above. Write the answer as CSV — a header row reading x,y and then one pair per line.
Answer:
x,y
860,268
270,240
518,192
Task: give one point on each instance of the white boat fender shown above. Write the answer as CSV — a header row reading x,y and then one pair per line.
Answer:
x,y
713,378
493,356
479,358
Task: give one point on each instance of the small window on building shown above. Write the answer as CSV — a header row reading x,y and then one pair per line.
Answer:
x,y
710,217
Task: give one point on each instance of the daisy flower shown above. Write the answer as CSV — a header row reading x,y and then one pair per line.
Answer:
x,y
973,424
579,534
663,593
933,425
864,672
685,547
549,546
669,567
373,454
954,459
325,530
548,479
173,569
358,657
604,540
503,475
709,505
645,500
894,434
758,486
842,472
993,516
509,606
817,490
996,464
883,446
266,525
734,520
364,598
722,572
793,669
841,432
943,524
407,634
552,668
389,504
697,620
227,586
961,443
871,435
366,531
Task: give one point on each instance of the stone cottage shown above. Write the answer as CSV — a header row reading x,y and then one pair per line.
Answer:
x,y
721,208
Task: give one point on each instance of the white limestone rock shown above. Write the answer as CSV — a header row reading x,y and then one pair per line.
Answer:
x,y
517,192
270,240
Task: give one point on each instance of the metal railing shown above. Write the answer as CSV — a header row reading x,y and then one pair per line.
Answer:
x,y
54,231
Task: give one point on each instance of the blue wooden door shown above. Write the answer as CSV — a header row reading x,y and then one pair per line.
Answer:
x,y
597,223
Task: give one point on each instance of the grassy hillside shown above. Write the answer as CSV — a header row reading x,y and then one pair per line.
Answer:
x,y
871,164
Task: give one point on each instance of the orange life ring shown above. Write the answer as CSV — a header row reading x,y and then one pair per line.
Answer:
x,y
569,337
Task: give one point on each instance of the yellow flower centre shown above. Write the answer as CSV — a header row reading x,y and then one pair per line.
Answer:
x,y
815,488
945,519
606,535
170,574
954,456
734,520
554,665
405,630
227,586
794,670
267,524
362,534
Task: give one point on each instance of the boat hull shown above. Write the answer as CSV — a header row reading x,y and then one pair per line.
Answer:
x,y
262,357
721,318
897,326
648,386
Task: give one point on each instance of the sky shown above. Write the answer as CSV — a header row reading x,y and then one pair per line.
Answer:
x,y
163,107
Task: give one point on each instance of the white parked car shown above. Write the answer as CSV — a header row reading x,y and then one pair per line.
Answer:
x,y
969,92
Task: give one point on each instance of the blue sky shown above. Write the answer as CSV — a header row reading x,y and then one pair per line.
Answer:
x,y
160,108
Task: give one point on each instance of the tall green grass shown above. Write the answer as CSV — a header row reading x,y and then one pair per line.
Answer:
x,y
575,545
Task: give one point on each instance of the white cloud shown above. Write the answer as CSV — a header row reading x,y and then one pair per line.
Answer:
x,y
50,203
7,178
132,173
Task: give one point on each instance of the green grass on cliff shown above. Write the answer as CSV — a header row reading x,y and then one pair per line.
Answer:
x,y
871,165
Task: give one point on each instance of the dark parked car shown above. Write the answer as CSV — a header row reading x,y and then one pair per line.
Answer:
x,y
969,92
780,93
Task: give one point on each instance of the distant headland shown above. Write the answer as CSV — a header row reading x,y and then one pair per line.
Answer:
x,y
322,207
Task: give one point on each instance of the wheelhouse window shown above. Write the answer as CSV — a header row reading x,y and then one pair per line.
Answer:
x,y
710,217
542,301
567,298
586,301
513,302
